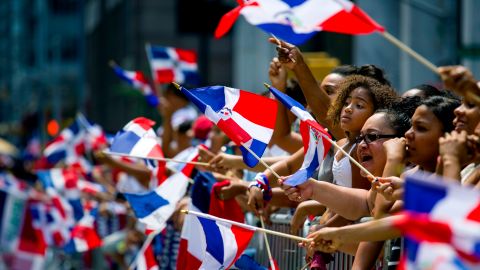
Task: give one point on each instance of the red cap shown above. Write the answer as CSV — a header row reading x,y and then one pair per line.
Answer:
x,y
201,127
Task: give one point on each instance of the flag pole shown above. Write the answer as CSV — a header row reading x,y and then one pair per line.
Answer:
x,y
409,50
248,149
340,148
261,160
147,242
421,59
245,226
155,158
267,245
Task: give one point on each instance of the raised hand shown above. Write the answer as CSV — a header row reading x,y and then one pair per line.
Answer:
x,y
277,74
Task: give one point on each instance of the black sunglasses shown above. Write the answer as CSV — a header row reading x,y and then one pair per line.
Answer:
x,y
371,137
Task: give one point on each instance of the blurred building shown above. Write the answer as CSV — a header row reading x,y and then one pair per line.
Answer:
x,y
54,53
41,61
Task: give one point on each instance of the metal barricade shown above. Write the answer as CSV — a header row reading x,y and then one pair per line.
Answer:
x,y
285,251
290,256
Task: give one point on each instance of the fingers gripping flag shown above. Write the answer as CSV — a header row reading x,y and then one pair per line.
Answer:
x,y
296,21
315,144
246,118
441,223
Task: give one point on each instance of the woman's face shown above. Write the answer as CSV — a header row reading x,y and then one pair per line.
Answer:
x,y
422,138
357,109
330,85
467,116
370,153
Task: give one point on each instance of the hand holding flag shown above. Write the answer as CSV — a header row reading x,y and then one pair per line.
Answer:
x,y
246,118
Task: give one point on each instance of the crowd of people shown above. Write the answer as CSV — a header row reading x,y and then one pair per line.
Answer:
x,y
391,135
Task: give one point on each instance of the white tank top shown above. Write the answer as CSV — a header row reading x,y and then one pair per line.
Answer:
x,y
342,169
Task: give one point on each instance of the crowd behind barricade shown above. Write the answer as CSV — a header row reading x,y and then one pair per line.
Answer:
x,y
68,208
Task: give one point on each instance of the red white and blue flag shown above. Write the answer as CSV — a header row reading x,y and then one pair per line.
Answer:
x,y
146,259
296,21
170,64
315,144
81,136
137,139
441,223
155,208
54,219
246,118
84,236
70,143
138,81
209,244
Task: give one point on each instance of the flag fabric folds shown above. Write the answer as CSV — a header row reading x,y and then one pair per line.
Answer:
x,y
441,223
209,244
155,208
246,118
138,81
296,21
315,145
137,139
170,64
84,236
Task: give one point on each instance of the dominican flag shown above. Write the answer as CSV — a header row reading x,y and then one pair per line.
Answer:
x,y
74,141
54,219
30,249
155,208
13,186
70,142
170,64
146,260
296,21
137,139
246,118
138,81
315,144
441,223
209,244
84,236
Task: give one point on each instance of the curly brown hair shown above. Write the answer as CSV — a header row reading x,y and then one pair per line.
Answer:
x,y
382,95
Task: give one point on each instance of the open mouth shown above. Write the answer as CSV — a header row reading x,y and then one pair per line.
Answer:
x,y
365,158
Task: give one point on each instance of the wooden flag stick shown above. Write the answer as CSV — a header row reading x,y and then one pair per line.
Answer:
x,y
159,159
422,60
280,45
339,148
246,147
409,50
293,237
261,161
267,246
143,248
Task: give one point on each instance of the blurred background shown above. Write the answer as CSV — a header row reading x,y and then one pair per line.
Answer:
x,y
54,53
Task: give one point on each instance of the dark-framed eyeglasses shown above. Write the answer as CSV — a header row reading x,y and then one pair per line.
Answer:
x,y
371,137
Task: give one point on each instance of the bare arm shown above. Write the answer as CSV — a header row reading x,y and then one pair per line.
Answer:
x,y
337,198
330,239
316,98
282,135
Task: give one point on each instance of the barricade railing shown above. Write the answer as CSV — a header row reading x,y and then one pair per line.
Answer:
x,y
290,256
